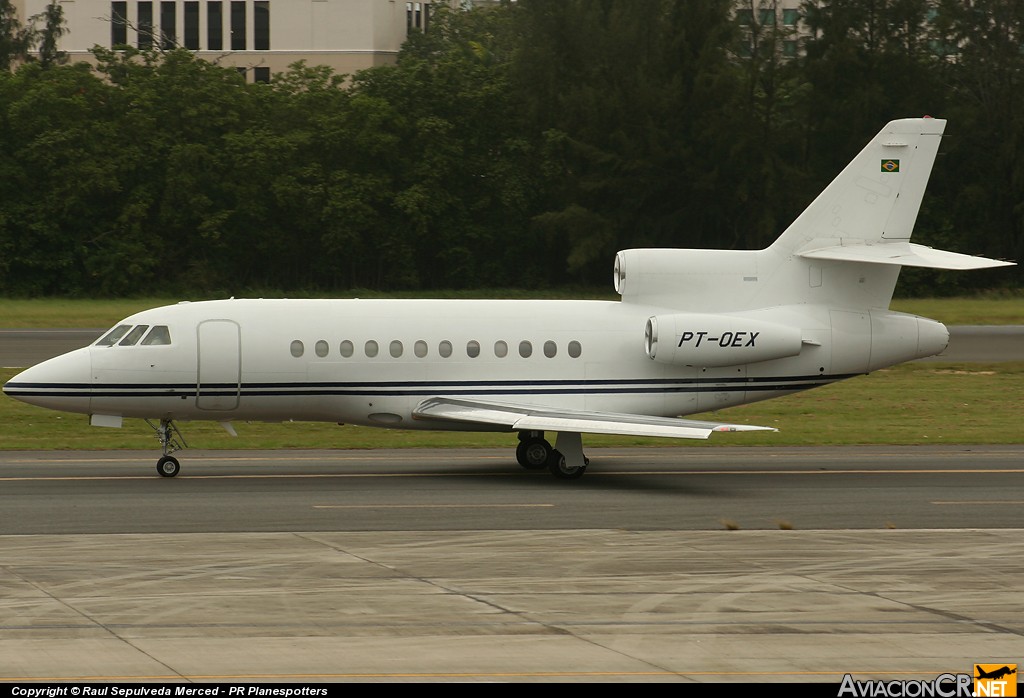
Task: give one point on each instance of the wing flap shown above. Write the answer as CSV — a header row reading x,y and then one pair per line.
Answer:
x,y
906,254
533,418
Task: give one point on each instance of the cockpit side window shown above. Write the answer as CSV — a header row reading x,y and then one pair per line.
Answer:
x,y
159,335
110,338
133,337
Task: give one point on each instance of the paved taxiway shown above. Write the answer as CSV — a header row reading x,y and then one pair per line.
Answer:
x,y
457,565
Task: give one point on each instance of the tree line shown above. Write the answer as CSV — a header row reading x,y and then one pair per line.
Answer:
x,y
511,146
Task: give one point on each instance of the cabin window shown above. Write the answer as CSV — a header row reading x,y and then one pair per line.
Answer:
x,y
396,349
501,349
159,335
115,334
473,348
420,348
321,348
575,349
525,349
133,337
444,349
298,348
347,349
371,348
550,349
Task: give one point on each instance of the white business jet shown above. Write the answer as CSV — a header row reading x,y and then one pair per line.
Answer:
x,y
695,330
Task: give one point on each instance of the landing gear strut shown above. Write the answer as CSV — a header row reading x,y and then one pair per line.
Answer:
x,y
536,453
171,440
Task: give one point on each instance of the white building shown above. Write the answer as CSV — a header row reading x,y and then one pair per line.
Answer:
x,y
260,36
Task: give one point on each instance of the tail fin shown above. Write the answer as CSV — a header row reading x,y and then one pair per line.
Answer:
x,y
877,197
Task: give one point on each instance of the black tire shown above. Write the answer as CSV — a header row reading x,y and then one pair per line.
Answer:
x,y
168,466
557,467
533,454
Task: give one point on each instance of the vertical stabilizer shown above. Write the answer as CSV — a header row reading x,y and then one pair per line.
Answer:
x,y
877,197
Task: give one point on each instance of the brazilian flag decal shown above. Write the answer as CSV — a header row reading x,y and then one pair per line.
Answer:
x,y
890,165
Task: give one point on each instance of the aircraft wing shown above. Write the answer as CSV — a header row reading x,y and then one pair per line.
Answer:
x,y
517,417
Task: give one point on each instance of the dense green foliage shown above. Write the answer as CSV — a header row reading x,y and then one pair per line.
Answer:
x,y
516,146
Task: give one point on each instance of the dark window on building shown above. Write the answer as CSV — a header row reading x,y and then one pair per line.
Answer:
x,y
261,25
237,26
790,17
745,17
192,26
145,25
118,23
168,26
215,26
766,18
261,74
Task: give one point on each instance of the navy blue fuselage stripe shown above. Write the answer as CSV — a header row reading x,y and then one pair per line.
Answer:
x,y
422,389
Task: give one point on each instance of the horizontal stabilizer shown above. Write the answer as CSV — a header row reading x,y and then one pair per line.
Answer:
x,y
905,254
533,418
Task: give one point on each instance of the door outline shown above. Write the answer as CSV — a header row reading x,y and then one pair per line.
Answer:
x,y
218,365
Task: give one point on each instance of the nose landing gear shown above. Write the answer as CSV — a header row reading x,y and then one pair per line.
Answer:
x,y
171,440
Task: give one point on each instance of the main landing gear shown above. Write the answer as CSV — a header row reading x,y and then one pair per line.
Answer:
x,y
171,440
566,461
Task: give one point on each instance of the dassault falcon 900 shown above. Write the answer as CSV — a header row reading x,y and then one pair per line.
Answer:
x,y
694,330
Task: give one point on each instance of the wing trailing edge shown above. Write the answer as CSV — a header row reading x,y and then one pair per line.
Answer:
x,y
517,417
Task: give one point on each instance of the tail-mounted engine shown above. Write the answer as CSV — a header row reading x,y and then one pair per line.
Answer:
x,y
697,339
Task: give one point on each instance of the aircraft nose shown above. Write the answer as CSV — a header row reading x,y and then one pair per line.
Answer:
x,y
61,383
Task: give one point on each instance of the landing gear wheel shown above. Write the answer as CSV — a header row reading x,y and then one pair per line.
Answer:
x,y
168,466
533,454
558,468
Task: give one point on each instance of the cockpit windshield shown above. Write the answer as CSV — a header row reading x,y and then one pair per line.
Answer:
x,y
127,336
110,339
132,338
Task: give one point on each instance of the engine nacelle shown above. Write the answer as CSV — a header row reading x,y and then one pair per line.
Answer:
x,y
697,339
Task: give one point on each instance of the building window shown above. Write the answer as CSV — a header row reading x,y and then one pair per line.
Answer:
x,y
261,21
237,26
790,17
192,26
145,25
766,18
789,49
417,15
261,74
118,23
215,26
745,17
168,26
